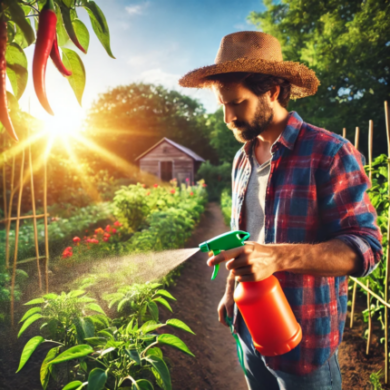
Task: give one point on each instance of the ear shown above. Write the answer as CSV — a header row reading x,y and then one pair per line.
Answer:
x,y
274,93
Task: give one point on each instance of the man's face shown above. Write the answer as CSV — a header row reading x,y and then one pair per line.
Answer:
x,y
246,114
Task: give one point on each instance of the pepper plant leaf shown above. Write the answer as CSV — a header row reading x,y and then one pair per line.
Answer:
x,y
82,33
179,324
28,322
164,302
75,385
69,27
35,301
174,341
46,367
62,35
95,307
99,25
162,370
153,310
18,16
73,353
68,3
165,294
28,350
97,379
16,68
72,61
142,384
149,326
30,312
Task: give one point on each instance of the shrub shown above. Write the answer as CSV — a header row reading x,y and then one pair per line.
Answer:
x,y
226,205
217,178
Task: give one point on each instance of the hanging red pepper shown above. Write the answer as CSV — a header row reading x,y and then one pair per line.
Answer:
x,y
4,114
43,46
55,56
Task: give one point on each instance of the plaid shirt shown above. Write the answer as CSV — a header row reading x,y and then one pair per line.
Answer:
x,y
316,192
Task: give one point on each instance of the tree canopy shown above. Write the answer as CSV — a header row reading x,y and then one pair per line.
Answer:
x,y
347,44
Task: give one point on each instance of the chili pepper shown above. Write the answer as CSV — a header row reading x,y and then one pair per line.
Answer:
x,y
4,115
43,46
55,56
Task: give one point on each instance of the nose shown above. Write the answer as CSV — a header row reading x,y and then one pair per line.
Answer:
x,y
229,114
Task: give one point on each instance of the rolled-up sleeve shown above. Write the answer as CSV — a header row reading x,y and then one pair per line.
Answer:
x,y
345,208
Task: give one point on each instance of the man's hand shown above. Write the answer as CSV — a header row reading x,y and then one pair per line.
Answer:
x,y
226,306
251,262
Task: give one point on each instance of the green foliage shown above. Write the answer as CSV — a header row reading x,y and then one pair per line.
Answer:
x,y
346,44
375,378
226,205
217,178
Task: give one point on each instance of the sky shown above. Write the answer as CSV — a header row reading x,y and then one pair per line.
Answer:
x,y
154,41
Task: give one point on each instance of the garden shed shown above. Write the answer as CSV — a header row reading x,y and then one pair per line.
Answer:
x,y
167,160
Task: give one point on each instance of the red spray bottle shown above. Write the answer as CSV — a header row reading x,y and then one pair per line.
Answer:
x,y
263,305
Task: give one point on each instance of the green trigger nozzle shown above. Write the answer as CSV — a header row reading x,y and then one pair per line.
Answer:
x,y
223,242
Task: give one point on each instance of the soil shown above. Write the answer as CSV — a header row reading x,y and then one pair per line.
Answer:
x,y
216,365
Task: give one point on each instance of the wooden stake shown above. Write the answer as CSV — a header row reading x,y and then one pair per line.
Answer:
x,y
353,304
370,145
34,213
344,132
9,213
46,227
4,184
369,319
387,256
357,132
16,240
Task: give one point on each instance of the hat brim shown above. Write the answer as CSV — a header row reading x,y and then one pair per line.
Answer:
x,y
303,80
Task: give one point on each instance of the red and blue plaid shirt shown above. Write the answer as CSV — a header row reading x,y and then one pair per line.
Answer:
x,y
316,192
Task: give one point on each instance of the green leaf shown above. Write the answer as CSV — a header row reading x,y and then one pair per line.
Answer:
x,y
73,385
165,294
16,68
30,312
97,379
149,326
84,328
69,27
122,303
68,3
28,322
106,334
99,25
174,341
46,367
142,384
179,324
164,302
18,16
35,301
162,369
28,350
73,353
95,307
86,300
155,352
62,35
73,62
133,353
153,310
82,33
50,296
76,293
96,341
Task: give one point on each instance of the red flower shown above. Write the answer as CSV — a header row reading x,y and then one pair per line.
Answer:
x,y
76,239
106,238
187,180
67,252
204,185
143,185
117,223
191,193
69,249
108,228
94,241
113,231
155,185
99,231
173,191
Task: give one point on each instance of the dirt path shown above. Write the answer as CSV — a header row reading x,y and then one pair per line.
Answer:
x,y
216,365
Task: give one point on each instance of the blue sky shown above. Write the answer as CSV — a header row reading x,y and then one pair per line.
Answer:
x,y
153,41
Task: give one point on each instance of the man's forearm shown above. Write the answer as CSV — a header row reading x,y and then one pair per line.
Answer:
x,y
230,283
330,258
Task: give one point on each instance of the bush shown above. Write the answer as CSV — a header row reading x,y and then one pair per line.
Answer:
x,y
217,178
226,205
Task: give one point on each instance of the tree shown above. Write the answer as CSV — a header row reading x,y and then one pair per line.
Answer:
x,y
127,120
347,44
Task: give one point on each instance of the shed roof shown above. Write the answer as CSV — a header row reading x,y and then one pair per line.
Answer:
x,y
185,150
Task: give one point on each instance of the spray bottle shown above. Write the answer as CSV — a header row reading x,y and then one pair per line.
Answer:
x,y
263,305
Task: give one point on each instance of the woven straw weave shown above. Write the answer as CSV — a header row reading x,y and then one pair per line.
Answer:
x,y
255,52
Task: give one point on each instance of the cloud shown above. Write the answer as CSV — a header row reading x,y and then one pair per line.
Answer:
x,y
155,58
137,9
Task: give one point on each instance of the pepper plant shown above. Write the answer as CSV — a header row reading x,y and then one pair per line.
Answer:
x,y
56,25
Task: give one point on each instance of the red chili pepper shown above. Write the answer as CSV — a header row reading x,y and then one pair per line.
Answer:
x,y
4,115
43,46
55,56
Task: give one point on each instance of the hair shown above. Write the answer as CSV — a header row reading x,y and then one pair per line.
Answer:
x,y
258,83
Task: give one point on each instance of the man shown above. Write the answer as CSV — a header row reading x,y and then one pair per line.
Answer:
x,y
300,191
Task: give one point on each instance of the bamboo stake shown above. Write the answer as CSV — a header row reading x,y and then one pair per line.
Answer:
x,y
370,144
4,185
354,284
46,228
34,213
357,133
16,240
9,213
387,255
381,300
344,132
369,319
25,217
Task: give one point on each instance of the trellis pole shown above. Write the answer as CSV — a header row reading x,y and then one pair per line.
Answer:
x,y
344,132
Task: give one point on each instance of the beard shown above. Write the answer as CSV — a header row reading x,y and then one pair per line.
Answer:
x,y
247,131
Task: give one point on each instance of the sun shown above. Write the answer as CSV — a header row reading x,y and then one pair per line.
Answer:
x,y
64,125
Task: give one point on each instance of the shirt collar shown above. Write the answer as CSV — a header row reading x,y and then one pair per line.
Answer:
x,y
288,136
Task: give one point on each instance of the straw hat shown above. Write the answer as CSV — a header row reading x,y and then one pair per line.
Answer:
x,y
255,52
